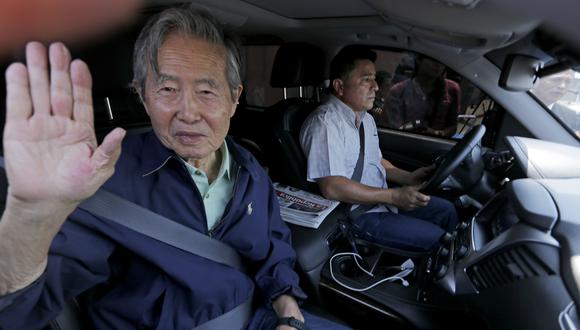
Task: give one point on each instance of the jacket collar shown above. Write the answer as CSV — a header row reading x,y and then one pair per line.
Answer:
x,y
158,156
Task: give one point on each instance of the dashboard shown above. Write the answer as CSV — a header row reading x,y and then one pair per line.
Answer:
x,y
523,244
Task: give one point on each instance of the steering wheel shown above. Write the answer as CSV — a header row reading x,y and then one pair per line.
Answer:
x,y
451,160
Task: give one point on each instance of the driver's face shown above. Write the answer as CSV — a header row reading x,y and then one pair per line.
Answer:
x,y
359,88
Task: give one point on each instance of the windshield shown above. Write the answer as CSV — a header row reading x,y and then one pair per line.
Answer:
x,y
560,93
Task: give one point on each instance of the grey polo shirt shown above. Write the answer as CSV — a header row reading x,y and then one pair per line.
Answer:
x,y
330,140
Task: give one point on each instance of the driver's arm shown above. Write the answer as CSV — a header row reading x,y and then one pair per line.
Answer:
x,y
406,178
395,174
345,190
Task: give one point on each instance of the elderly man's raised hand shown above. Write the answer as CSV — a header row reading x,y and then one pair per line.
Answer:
x,y
52,156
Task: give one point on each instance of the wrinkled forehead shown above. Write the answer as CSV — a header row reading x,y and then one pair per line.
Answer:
x,y
193,50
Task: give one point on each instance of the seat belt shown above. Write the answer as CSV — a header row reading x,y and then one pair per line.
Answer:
x,y
357,175
137,218
151,224
358,169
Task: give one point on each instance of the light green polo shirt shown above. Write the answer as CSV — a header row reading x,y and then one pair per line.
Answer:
x,y
217,194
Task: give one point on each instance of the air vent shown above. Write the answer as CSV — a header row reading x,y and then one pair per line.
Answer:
x,y
508,266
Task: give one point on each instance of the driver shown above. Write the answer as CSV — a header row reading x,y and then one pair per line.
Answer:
x,y
396,217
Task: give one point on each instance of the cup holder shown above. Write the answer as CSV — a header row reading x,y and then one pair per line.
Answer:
x,y
381,263
366,250
348,267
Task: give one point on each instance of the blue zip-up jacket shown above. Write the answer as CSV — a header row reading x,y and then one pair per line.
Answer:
x,y
132,281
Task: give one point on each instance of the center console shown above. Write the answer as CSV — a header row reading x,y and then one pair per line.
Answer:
x,y
495,263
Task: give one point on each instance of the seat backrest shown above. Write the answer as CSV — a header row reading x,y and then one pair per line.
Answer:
x,y
295,65
298,64
290,163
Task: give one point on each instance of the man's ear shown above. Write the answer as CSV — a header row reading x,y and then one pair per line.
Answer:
x,y
237,93
144,104
338,86
139,93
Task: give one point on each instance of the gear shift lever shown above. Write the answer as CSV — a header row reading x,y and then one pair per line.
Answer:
x,y
346,232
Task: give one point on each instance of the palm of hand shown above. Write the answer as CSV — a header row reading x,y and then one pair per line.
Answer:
x,y
49,140
50,156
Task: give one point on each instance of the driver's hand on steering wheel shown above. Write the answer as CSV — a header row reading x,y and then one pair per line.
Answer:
x,y
409,198
420,175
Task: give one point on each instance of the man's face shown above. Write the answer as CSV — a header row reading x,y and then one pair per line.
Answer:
x,y
190,103
552,88
359,88
429,68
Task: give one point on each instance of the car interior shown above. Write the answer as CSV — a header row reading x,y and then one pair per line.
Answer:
x,y
511,168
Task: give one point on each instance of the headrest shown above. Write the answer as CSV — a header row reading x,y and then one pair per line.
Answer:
x,y
298,64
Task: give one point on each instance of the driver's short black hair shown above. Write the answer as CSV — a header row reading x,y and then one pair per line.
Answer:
x,y
344,62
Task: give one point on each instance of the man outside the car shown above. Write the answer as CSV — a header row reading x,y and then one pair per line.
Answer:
x,y
552,91
187,74
395,217
427,102
383,79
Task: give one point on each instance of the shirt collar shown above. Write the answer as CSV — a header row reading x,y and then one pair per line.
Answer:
x,y
157,156
225,166
346,111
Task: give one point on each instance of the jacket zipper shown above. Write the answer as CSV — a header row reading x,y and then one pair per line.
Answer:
x,y
221,221
198,195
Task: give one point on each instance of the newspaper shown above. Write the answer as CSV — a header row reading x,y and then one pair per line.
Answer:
x,y
301,207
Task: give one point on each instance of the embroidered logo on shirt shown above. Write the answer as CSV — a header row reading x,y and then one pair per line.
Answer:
x,y
249,211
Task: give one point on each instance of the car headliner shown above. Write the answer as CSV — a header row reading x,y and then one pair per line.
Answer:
x,y
484,25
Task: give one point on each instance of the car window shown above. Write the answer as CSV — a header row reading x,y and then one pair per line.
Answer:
x,y
560,94
418,94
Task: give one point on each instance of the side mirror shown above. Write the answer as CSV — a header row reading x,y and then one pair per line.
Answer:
x,y
519,73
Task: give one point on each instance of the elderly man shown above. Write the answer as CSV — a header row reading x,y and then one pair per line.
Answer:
x,y
187,74
332,138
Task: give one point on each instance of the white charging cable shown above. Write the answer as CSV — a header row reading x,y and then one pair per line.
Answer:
x,y
406,269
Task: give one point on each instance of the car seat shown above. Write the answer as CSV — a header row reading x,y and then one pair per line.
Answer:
x,y
295,65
